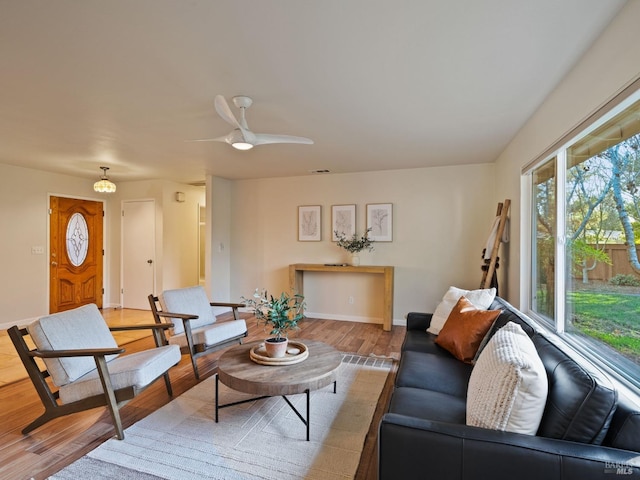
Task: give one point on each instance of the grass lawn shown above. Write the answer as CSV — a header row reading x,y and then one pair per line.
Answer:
x,y
613,318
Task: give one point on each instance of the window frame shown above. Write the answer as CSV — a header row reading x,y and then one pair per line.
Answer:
x,y
605,357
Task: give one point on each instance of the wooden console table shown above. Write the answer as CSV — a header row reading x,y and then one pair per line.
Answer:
x,y
296,283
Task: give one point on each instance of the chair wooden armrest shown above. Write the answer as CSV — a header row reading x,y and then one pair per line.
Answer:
x,y
227,304
183,316
234,307
156,328
93,352
142,326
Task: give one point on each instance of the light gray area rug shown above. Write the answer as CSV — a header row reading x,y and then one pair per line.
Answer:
x,y
256,440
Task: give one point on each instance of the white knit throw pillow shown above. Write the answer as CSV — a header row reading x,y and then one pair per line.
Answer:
x,y
508,385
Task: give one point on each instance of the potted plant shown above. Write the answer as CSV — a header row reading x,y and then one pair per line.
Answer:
x,y
279,315
355,244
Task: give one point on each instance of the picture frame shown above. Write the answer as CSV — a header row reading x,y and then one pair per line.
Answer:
x,y
380,221
343,220
309,223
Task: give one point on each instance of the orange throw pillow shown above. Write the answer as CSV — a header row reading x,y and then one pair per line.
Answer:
x,y
465,328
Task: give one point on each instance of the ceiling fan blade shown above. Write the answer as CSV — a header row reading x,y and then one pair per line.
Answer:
x,y
234,138
223,109
265,138
219,139
241,137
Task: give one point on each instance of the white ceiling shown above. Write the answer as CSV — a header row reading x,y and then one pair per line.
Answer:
x,y
377,84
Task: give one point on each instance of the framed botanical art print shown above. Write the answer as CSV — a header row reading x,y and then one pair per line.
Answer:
x,y
380,221
343,221
309,223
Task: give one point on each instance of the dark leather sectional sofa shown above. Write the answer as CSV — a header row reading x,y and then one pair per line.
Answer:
x,y
589,429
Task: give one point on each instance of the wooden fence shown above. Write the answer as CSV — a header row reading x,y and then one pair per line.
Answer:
x,y
619,264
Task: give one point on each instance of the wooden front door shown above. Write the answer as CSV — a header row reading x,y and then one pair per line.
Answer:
x,y
76,253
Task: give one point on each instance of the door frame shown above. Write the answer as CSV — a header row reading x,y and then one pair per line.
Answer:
x,y
155,244
105,243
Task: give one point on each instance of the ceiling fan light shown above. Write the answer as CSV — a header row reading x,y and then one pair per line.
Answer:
x,y
242,146
238,141
104,185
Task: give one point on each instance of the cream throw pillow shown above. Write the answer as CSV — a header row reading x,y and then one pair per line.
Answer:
x,y
508,385
481,299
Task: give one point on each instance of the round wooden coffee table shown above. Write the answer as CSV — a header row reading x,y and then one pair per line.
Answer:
x,y
237,371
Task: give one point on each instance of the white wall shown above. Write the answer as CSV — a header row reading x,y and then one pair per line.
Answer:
x,y
147,190
24,194
441,215
218,255
441,220
180,235
610,64
24,220
176,233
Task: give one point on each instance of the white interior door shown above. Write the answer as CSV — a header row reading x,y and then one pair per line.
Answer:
x,y
138,253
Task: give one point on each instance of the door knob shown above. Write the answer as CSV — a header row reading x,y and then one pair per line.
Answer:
x,y
149,261
54,264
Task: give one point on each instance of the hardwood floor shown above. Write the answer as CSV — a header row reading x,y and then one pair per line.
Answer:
x,y
60,442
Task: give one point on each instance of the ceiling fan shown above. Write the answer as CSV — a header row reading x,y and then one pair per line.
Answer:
x,y
241,137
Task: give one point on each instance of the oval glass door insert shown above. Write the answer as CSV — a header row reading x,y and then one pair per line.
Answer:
x,y
77,239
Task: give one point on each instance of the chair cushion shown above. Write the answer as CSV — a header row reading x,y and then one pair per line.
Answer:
x,y
582,399
136,370
80,328
625,425
427,404
438,372
212,334
420,341
190,300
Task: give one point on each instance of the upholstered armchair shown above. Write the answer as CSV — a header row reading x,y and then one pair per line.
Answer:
x,y
194,325
85,364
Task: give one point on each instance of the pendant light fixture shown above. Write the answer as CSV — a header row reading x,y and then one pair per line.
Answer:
x,y
104,185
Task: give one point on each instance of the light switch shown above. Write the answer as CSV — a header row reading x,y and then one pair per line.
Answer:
x,y
37,250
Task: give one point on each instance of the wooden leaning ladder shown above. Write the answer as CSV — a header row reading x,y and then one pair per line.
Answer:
x,y
489,270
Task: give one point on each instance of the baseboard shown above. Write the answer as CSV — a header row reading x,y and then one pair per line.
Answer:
x,y
345,318
348,318
20,323
26,321
401,322
354,318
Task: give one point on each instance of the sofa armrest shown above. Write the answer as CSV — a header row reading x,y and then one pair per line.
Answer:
x,y
413,448
418,320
